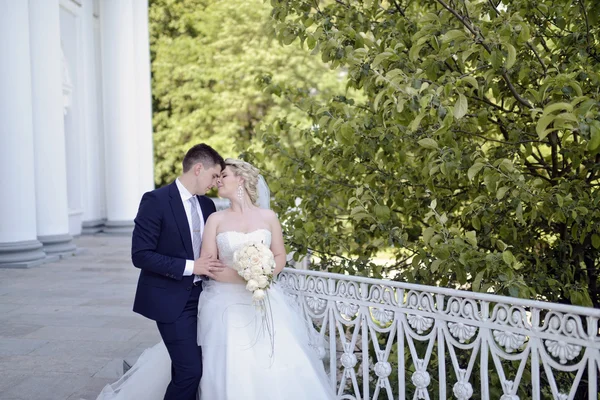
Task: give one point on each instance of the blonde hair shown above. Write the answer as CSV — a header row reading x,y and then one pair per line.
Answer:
x,y
249,173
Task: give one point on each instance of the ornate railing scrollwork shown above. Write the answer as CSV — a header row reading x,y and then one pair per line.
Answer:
x,y
403,341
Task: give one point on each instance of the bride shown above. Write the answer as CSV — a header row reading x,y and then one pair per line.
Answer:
x,y
246,353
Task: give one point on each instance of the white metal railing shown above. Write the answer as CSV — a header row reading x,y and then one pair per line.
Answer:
x,y
391,340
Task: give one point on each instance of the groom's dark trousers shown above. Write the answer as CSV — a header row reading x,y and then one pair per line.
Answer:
x,y
161,244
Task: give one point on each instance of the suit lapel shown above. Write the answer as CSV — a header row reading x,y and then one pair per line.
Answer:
x,y
181,220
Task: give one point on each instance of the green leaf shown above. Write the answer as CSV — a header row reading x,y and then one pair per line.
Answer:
x,y
596,241
428,234
472,81
311,42
380,57
454,34
501,245
461,106
508,257
513,291
474,170
356,210
542,124
512,55
443,219
435,265
378,99
382,212
550,108
519,213
594,142
496,59
360,216
471,237
413,54
517,265
524,35
347,133
416,121
477,281
428,143
501,192
507,165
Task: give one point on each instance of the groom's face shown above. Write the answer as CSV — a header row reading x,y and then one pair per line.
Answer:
x,y
206,178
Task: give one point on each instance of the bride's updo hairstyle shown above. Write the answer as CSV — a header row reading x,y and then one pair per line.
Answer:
x,y
249,173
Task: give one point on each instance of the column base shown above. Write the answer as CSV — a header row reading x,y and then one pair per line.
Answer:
x,y
23,254
92,227
120,228
58,245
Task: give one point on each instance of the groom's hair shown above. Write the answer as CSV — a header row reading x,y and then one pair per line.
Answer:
x,y
202,153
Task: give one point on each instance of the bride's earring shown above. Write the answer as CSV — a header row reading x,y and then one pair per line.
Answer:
x,y
240,192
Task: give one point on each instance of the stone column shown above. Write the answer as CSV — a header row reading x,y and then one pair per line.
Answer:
x,y
120,110
48,129
144,95
19,246
94,181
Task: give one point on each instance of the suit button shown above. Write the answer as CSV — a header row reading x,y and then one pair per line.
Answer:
x,y
188,288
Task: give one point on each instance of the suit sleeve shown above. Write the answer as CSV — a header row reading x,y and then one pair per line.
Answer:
x,y
145,240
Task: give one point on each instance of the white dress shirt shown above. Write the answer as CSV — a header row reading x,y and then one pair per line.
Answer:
x,y
185,198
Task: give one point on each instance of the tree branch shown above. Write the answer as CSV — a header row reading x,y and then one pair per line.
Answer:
x,y
538,57
553,137
485,100
540,160
496,140
479,39
400,10
587,28
514,91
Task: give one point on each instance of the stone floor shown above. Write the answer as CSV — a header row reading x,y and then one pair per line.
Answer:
x,y
65,327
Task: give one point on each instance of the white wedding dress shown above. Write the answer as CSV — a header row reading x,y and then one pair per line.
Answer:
x,y
242,357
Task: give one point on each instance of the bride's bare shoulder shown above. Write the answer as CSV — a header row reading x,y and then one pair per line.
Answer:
x,y
268,216
267,213
216,217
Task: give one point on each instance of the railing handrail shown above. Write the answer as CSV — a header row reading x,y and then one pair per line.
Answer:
x,y
492,298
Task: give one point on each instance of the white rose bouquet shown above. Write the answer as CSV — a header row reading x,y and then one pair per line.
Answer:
x,y
255,263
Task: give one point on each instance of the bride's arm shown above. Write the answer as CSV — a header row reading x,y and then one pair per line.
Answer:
x,y
277,245
209,248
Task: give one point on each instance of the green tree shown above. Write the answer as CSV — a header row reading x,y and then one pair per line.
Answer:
x,y
473,157
206,58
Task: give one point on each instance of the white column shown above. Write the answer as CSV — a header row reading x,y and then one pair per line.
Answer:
x,y
48,129
19,246
94,182
144,95
120,110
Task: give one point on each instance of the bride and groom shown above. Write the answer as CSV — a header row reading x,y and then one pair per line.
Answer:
x,y
214,343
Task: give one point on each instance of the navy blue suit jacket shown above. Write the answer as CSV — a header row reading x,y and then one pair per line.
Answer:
x,y
161,244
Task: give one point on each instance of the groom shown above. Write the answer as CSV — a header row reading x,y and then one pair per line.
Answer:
x,y
166,248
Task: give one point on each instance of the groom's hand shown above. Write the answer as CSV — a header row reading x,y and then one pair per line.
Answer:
x,y
208,265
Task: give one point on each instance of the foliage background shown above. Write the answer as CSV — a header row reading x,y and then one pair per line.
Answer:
x,y
208,58
462,142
